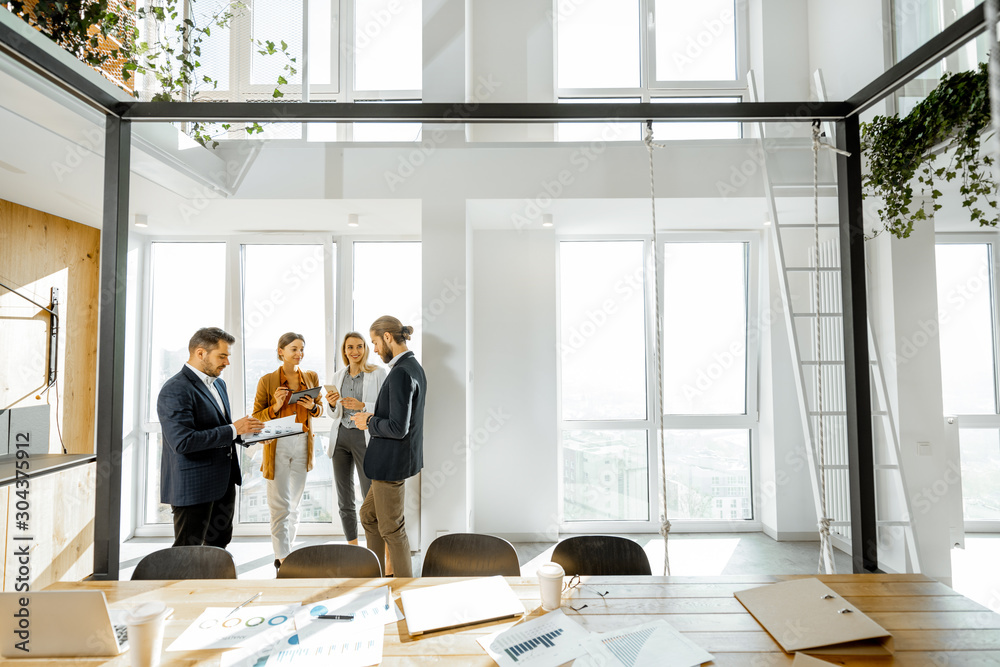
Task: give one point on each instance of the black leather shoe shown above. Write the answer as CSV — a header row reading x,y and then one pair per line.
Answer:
x,y
277,564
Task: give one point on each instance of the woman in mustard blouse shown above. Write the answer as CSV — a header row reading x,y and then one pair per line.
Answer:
x,y
287,459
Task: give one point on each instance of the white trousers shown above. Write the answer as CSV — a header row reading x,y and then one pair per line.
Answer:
x,y
285,491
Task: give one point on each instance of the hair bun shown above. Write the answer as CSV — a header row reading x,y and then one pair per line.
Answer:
x,y
407,331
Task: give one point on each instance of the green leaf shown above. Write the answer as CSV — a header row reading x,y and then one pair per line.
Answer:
x,y
277,93
281,80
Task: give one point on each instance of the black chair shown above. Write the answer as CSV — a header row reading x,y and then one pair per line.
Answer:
x,y
601,555
186,563
470,555
330,560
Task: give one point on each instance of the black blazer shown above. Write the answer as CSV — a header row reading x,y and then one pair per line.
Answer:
x,y
396,448
199,458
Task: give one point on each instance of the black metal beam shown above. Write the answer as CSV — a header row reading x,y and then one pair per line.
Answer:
x,y
67,75
111,348
860,454
515,112
934,50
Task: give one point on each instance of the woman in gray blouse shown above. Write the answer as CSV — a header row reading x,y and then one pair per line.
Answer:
x,y
354,389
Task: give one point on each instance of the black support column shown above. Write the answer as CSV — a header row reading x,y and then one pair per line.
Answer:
x,y
111,347
857,370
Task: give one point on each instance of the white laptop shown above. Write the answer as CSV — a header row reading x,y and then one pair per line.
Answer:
x,y
461,603
58,624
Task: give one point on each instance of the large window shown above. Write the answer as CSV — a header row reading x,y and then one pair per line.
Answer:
x,y
967,307
609,432
602,314
283,290
181,302
705,329
257,292
650,51
357,50
707,300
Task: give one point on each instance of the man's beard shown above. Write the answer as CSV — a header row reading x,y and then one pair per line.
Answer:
x,y
210,370
386,354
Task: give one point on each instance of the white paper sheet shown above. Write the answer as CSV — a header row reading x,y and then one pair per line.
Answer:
x,y
355,648
656,644
374,608
275,428
548,641
250,627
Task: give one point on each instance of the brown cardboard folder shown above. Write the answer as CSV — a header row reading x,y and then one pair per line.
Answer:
x,y
800,617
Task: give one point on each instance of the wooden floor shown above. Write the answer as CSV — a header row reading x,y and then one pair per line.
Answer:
x,y
931,624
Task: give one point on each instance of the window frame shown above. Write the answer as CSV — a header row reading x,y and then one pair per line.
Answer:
x,y
648,85
646,424
233,317
653,421
342,68
982,421
750,420
741,19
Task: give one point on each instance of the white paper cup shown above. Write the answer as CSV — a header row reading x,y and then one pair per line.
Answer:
x,y
550,585
145,633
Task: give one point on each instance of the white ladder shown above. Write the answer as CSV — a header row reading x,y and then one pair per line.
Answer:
x,y
794,248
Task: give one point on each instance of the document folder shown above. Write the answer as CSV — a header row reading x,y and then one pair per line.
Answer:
x,y
806,615
461,603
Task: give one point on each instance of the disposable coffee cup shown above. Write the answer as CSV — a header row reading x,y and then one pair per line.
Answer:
x,y
145,633
550,585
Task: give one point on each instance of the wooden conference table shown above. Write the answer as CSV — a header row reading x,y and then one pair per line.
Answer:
x,y
931,623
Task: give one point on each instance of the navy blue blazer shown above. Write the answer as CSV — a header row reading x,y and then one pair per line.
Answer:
x,y
396,448
199,458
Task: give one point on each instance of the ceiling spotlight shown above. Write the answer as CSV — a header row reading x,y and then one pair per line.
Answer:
x,y
141,220
352,219
546,219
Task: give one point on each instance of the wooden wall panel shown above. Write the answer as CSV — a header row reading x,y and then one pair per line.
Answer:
x,y
61,521
39,251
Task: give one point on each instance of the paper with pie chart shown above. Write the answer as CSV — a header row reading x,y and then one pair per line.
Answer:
x,y
248,627
373,608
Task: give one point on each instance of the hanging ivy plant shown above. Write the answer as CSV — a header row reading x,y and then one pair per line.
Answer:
x,y
97,32
950,122
82,27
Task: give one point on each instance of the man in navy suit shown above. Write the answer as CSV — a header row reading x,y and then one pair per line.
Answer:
x,y
199,469
396,449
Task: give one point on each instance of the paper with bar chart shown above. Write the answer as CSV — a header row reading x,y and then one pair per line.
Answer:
x,y
656,644
357,649
548,641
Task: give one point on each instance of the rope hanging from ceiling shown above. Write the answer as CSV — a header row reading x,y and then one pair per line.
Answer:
x,y
664,520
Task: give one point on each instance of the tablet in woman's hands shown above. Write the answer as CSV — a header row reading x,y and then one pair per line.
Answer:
x,y
312,392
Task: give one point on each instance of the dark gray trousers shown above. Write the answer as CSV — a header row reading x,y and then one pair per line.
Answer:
x,y
348,456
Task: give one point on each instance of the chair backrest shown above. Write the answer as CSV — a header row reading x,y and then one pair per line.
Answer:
x,y
470,555
601,554
330,560
192,562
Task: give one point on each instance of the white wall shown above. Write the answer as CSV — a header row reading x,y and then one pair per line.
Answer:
x,y
847,42
445,503
513,52
779,38
514,438
904,307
